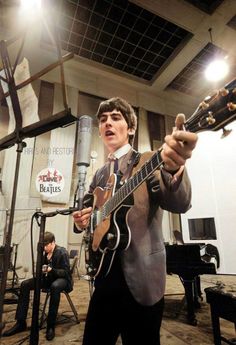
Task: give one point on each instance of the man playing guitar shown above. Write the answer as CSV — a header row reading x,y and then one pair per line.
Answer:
x,y
128,300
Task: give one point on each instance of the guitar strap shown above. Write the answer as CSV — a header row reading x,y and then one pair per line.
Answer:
x,y
132,162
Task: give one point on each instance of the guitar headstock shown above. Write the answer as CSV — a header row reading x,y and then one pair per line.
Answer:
x,y
216,111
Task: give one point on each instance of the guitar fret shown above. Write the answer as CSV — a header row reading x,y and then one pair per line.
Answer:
x,y
122,192
149,168
116,199
144,171
152,162
139,176
155,160
106,210
128,186
131,184
135,179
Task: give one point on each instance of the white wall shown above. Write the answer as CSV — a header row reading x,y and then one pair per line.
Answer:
x,y
212,173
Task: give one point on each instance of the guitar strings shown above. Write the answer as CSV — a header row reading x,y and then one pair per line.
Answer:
x,y
132,183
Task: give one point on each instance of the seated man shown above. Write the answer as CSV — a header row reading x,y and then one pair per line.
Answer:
x,y
56,277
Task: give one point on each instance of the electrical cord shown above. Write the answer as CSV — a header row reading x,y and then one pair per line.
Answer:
x,y
35,216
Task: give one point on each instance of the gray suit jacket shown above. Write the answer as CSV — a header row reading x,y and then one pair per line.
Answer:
x,y
144,262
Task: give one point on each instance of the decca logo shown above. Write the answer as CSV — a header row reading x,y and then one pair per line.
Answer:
x,y
50,182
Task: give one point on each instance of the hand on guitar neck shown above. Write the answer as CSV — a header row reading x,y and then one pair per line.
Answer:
x,y
178,146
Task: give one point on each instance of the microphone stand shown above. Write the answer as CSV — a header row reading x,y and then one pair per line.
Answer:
x,y
34,332
7,244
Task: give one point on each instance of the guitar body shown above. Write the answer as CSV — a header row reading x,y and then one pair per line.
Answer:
x,y
109,235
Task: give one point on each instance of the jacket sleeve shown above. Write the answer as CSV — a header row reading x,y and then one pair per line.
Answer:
x,y
171,193
61,269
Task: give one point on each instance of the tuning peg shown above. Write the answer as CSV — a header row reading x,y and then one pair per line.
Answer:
x,y
231,106
226,132
210,119
223,92
204,105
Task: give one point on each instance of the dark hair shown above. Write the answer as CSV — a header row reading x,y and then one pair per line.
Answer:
x,y
124,107
48,238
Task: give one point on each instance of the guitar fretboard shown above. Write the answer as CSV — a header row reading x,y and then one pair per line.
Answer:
x,y
133,182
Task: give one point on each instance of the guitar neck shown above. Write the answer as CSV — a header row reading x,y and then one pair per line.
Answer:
x,y
213,113
132,184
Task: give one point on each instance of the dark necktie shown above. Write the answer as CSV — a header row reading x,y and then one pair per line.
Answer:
x,y
113,164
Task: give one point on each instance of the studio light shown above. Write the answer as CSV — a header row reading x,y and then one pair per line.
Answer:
x,y
27,5
218,68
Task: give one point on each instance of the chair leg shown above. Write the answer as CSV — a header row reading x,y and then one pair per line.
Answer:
x,y
77,269
44,315
72,306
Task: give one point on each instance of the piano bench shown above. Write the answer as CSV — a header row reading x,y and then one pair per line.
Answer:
x,y
223,305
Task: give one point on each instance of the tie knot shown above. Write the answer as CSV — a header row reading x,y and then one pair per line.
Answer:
x,y
111,157
113,163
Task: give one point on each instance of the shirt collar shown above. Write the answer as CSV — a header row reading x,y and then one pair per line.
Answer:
x,y
121,151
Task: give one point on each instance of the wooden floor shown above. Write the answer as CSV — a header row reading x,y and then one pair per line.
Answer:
x,y
174,331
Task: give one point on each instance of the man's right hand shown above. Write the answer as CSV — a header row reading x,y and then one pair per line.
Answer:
x,y
82,217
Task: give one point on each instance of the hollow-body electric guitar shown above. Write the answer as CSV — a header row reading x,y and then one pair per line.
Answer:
x,y
108,231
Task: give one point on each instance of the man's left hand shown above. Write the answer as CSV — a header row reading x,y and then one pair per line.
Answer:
x,y
178,146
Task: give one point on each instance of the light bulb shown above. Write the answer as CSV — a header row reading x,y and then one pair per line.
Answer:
x,y
217,70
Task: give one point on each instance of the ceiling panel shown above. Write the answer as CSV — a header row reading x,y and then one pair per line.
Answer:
x,y
119,34
208,6
232,22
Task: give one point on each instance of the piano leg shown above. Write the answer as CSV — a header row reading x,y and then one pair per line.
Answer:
x,y
189,287
215,325
197,292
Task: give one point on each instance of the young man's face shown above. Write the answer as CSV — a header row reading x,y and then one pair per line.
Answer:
x,y
48,248
114,130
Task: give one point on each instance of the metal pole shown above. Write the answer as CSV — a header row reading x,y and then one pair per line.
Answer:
x,y
34,332
7,247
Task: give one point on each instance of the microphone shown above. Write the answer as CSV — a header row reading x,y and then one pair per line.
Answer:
x,y
83,157
84,141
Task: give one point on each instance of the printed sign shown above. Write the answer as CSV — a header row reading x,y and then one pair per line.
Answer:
x,y
50,182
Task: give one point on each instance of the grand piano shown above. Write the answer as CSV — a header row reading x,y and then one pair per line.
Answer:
x,y
189,261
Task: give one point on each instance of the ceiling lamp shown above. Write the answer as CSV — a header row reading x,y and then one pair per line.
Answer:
x,y
30,4
218,68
